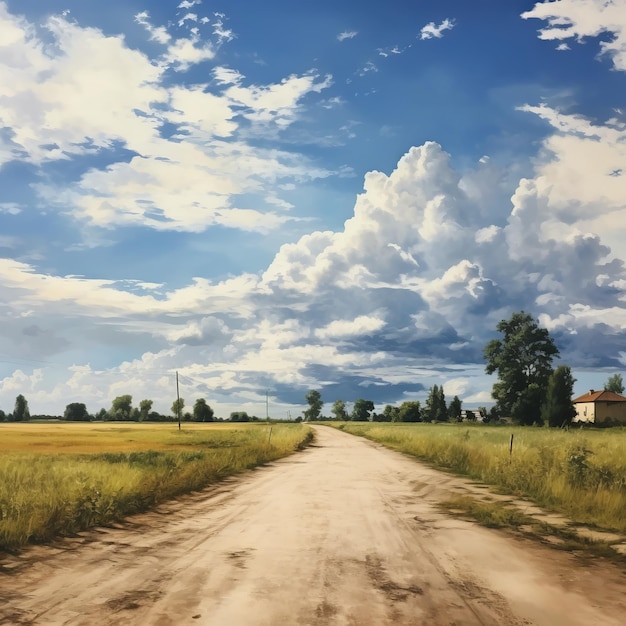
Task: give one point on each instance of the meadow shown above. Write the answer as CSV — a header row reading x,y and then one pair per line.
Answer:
x,y
58,479
579,473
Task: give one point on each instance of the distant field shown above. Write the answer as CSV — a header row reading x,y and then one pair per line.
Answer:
x,y
61,478
581,473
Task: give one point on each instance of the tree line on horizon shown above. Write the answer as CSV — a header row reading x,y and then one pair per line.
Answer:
x,y
122,409
434,410
528,389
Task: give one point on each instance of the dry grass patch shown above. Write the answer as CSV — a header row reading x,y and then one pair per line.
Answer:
x,y
57,479
579,473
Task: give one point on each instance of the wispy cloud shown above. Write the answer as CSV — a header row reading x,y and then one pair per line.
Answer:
x,y
181,53
12,208
157,33
347,34
368,68
222,33
579,19
435,31
187,4
188,17
386,52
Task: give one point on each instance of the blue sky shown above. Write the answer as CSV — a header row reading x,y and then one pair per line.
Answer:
x,y
341,196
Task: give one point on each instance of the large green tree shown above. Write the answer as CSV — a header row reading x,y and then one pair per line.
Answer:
x,y
314,398
361,410
522,358
202,412
21,412
122,407
558,408
410,411
76,412
615,384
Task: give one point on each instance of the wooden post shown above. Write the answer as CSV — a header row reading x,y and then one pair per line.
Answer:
x,y
511,448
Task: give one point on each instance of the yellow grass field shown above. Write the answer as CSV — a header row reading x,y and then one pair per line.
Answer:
x,y
580,473
60,478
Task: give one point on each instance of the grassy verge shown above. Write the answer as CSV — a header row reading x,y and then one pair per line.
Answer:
x,y
581,474
506,516
62,478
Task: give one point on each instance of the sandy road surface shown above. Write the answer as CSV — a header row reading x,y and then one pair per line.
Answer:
x,y
345,532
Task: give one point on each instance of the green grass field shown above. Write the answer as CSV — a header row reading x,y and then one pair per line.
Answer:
x,y
580,473
57,479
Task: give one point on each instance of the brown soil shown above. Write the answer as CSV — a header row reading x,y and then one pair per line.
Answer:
x,y
344,533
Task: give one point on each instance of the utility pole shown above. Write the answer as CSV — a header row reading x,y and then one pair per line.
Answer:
x,y
177,400
267,405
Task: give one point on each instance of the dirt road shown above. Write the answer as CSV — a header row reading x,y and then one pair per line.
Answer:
x,y
343,533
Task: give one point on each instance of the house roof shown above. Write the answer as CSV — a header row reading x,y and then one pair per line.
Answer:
x,y
599,396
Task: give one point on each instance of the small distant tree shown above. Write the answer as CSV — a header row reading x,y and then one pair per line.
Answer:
x,y
432,410
442,410
3,416
339,410
122,407
76,412
145,406
239,416
21,412
615,384
177,407
558,408
410,412
454,409
361,410
202,412
390,414
102,415
314,398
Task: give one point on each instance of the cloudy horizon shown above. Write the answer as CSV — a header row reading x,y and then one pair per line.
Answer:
x,y
281,199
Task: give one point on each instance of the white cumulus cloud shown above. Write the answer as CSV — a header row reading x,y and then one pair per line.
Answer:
x,y
580,19
432,30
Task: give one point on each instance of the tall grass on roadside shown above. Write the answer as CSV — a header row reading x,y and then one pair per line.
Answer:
x,y
59,493
581,474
